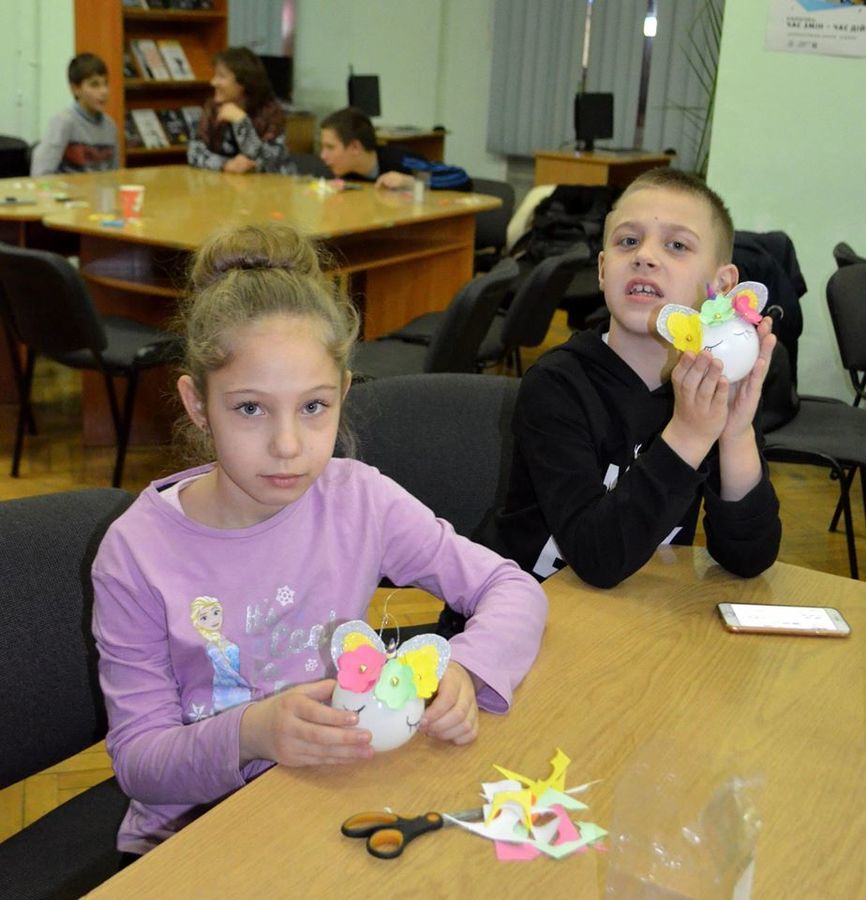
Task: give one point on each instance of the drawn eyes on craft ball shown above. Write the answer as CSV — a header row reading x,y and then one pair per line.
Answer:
x,y
725,325
387,689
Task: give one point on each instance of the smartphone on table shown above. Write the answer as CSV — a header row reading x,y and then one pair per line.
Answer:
x,y
769,619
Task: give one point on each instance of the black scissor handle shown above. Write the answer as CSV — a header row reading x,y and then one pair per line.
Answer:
x,y
389,842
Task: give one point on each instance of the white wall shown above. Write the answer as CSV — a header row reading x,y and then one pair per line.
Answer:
x,y
37,40
432,58
787,154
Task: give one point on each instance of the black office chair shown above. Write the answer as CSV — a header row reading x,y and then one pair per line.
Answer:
x,y
14,157
845,256
308,164
491,226
846,299
51,706
822,432
444,437
454,344
525,322
47,308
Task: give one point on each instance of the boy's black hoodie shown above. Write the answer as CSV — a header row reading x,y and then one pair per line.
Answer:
x,y
595,487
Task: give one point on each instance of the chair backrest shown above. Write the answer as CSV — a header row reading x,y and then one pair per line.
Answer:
x,y
51,706
464,324
446,438
845,256
14,157
491,226
531,312
47,303
846,299
310,164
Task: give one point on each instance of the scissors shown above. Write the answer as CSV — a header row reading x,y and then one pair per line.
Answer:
x,y
388,833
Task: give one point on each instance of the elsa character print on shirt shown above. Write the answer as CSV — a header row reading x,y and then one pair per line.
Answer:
x,y
229,686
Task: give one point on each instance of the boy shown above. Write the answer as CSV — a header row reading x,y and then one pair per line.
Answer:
x,y
617,441
82,138
349,149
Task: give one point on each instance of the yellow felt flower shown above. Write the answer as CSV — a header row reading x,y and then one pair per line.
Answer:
x,y
686,331
423,663
355,639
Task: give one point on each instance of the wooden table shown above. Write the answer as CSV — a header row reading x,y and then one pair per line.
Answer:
x,y
430,144
597,167
619,671
401,258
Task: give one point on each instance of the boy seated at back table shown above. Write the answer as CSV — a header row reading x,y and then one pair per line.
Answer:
x,y
348,147
617,442
82,138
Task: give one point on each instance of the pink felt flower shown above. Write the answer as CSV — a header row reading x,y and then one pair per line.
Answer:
x,y
359,668
745,304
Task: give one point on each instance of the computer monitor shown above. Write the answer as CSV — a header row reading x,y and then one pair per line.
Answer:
x,y
279,70
364,94
593,118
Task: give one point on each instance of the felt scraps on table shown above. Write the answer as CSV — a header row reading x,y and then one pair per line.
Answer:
x,y
527,817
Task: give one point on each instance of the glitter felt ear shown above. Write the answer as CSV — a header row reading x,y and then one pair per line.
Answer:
x,y
351,635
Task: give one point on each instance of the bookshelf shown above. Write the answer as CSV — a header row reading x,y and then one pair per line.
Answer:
x,y
107,26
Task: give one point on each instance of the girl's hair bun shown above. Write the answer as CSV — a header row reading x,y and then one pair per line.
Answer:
x,y
253,247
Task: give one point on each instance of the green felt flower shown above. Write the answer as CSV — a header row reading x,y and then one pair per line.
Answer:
x,y
717,310
395,685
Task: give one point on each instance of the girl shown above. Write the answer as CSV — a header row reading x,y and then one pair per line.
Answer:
x,y
243,128
261,553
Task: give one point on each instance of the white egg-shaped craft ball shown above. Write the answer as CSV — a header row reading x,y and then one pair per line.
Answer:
x,y
390,728
735,343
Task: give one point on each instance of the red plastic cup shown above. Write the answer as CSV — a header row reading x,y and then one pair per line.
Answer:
x,y
131,200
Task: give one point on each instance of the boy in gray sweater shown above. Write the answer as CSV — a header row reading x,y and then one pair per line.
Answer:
x,y
82,138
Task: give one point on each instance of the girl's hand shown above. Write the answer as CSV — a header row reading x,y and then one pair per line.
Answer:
x,y
746,394
239,165
453,715
230,112
700,406
297,728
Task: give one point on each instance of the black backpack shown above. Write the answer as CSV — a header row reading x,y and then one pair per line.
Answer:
x,y
571,215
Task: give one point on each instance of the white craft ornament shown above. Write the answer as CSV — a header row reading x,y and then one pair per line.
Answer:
x,y
390,726
725,332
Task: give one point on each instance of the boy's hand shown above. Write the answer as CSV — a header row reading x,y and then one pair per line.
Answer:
x,y
453,715
746,394
297,728
700,406
230,112
239,165
395,181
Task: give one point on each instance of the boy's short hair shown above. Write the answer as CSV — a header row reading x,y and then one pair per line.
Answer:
x,y
84,65
351,124
684,183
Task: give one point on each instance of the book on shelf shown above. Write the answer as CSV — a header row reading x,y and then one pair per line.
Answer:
x,y
149,127
192,116
135,4
131,132
174,126
175,60
149,59
130,69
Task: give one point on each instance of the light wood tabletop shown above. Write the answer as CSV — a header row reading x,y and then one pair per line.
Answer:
x,y
183,205
647,664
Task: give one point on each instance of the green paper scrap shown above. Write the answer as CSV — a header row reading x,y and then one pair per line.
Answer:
x,y
552,797
590,832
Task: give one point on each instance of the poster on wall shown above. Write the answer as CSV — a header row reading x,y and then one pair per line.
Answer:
x,y
826,27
